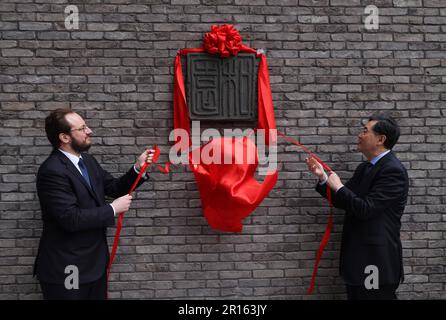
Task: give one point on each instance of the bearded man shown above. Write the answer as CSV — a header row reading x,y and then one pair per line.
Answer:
x,y
73,253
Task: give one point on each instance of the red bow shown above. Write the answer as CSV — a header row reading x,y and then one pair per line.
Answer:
x,y
224,40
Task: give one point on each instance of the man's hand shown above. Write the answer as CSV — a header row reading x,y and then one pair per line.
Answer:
x,y
122,204
334,182
146,156
316,168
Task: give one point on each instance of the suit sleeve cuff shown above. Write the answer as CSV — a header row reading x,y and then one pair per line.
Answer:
x,y
342,193
324,180
144,176
114,211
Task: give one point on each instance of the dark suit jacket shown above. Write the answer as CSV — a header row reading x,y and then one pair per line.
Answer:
x,y
374,204
75,217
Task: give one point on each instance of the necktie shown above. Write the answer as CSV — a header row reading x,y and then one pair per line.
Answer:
x,y
368,168
84,171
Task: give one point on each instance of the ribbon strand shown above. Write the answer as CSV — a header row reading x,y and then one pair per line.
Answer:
x,y
166,170
226,41
329,226
121,214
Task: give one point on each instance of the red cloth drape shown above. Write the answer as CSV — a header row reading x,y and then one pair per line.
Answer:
x,y
229,192
225,206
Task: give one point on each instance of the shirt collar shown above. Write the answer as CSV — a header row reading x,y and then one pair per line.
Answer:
x,y
378,157
73,158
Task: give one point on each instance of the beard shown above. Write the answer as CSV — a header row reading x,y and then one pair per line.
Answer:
x,y
80,147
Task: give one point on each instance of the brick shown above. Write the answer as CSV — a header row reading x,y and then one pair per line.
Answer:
x,y
117,69
433,3
102,26
17,53
34,26
407,3
152,18
268,273
252,3
88,35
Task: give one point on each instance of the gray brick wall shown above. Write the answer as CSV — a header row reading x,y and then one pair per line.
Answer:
x,y
327,73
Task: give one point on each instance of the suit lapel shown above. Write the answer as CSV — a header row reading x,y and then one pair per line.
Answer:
x,y
367,180
70,167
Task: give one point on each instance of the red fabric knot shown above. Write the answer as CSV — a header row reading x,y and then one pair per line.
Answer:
x,y
224,40
230,192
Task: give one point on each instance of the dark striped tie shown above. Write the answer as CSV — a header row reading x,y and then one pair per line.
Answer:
x,y
84,171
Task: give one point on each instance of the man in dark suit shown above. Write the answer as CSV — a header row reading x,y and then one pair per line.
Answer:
x,y
374,200
73,253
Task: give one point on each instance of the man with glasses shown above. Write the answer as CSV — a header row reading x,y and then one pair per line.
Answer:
x,y
73,253
374,200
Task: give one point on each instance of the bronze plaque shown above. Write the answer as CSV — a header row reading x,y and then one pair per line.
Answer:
x,y
222,88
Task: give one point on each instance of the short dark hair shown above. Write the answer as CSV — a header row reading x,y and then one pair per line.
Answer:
x,y
55,124
387,126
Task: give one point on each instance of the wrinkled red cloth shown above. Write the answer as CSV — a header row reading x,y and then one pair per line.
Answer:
x,y
230,192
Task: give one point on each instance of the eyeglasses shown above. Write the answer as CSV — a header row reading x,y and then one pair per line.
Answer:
x,y
364,130
83,128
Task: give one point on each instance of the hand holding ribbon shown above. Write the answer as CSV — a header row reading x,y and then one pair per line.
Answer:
x,y
146,157
144,160
316,168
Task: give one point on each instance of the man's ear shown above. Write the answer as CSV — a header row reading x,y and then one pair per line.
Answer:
x,y
382,139
64,138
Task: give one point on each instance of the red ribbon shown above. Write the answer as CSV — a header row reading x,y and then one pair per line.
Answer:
x,y
121,214
329,226
226,41
228,193
165,169
219,41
